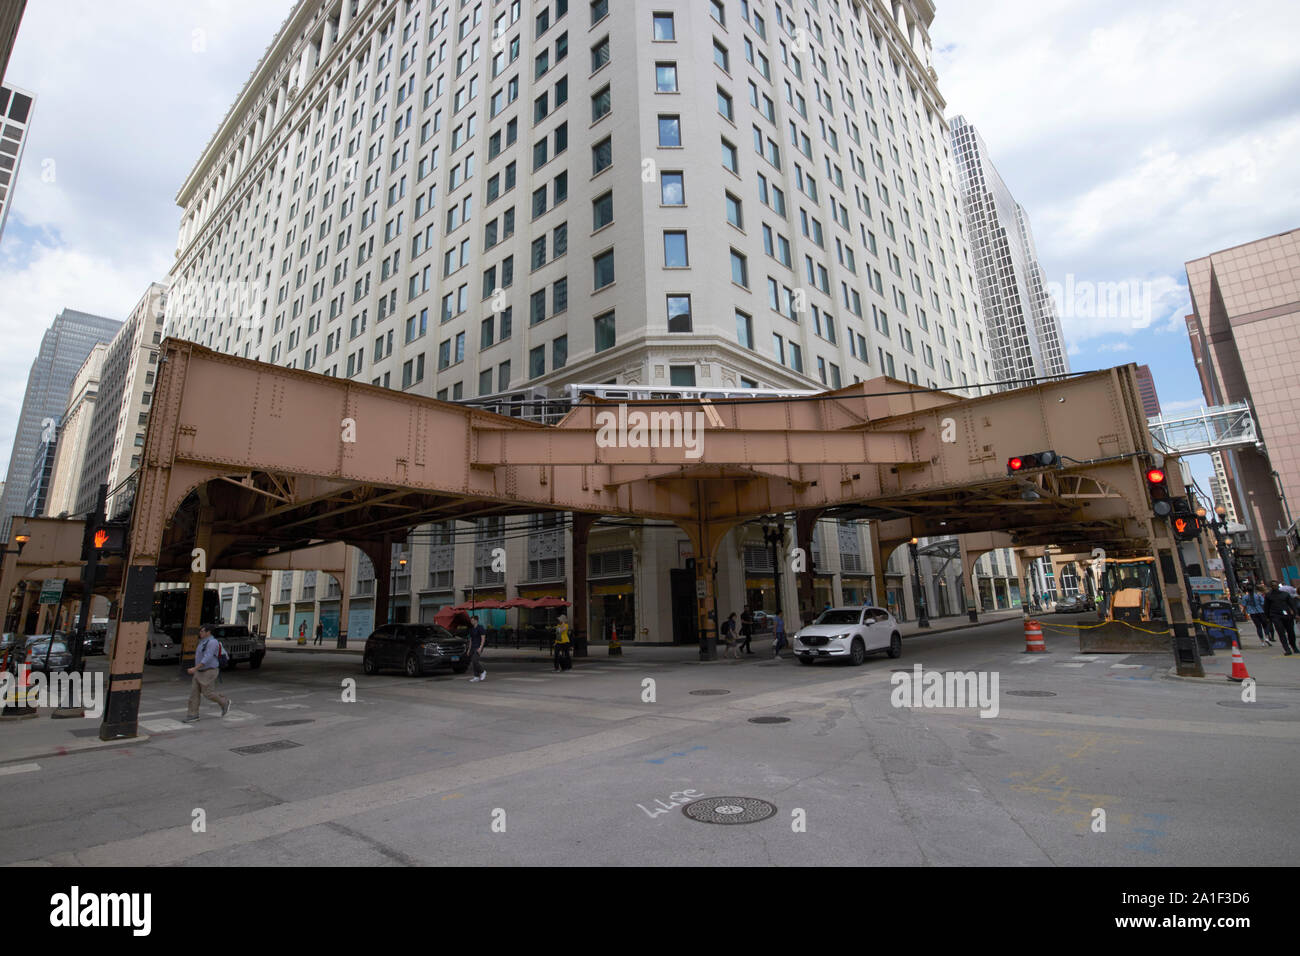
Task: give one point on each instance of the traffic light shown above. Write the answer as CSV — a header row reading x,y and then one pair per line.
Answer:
x,y
108,538
1185,522
1158,488
1039,459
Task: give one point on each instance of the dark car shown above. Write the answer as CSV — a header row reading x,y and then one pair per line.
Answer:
x,y
93,643
46,656
1074,605
415,649
241,644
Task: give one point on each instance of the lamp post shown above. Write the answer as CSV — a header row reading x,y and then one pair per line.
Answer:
x,y
1219,525
774,535
918,592
21,540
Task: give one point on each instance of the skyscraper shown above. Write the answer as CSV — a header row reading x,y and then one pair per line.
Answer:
x,y
1021,318
15,121
1244,319
1147,392
74,433
64,347
458,199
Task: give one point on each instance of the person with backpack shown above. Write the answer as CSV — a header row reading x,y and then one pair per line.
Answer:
x,y
208,658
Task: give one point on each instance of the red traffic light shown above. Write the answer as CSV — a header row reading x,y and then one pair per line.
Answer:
x,y
101,537
1015,464
1181,525
1155,476
1039,459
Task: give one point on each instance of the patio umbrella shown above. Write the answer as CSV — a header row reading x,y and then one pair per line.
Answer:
x,y
450,617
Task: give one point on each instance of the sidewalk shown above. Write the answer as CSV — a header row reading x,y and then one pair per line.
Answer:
x,y
1268,666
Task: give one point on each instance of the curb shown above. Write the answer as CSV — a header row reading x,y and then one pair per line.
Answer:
x,y
69,750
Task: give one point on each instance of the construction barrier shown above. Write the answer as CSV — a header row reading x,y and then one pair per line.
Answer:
x,y
1034,643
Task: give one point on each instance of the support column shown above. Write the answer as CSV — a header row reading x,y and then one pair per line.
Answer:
x,y
705,539
30,593
578,576
345,596
804,524
969,592
194,600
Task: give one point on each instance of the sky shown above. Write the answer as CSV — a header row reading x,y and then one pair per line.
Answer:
x,y
1136,136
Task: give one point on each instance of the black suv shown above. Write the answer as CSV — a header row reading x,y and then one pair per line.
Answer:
x,y
240,644
414,648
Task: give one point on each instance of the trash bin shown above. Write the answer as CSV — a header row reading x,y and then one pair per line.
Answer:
x,y
1221,631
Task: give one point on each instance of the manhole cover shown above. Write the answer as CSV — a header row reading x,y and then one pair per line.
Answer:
x,y
292,723
729,810
1258,705
1030,693
709,693
769,720
267,747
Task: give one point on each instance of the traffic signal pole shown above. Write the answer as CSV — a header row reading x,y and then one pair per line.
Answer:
x,y
89,571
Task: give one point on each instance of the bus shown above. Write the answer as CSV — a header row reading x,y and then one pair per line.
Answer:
x,y
167,622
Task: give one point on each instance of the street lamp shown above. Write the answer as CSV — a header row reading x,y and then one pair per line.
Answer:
x,y
21,540
918,592
774,535
1218,526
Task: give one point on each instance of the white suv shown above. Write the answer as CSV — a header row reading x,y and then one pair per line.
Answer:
x,y
848,632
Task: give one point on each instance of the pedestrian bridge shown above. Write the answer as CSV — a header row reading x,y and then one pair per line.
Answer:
x,y
1206,430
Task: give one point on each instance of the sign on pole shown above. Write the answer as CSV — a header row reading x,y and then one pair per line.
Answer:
x,y
52,591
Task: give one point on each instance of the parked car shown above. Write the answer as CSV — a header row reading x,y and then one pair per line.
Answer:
x,y
45,655
762,623
7,641
848,633
415,649
241,644
1074,605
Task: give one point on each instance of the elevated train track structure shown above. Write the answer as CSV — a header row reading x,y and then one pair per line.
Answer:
x,y
244,461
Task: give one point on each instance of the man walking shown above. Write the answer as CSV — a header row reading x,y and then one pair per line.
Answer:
x,y
778,629
746,631
1252,603
320,631
206,669
477,638
1280,609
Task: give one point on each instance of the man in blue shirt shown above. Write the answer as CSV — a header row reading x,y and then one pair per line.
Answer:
x,y
1252,603
206,669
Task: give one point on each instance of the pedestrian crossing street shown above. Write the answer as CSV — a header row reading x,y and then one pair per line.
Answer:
x,y
1132,667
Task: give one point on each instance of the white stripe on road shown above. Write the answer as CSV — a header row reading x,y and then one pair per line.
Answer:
x,y
156,713
528,680
19,768
1071,665
165,725
1113,666
290,706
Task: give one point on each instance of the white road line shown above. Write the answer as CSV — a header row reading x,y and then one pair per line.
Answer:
x,y
1090,660
155,713
290,706
1071,665
19,768
1026,660
1139,666
528,680
268,700
165,725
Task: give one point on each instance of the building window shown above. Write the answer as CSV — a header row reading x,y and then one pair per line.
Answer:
x,y
604,269
602,211
672,189
664,29
725,107
604,331
679,314
730,157
681,376
739,269
599,54
735,212
665,77
537,362
602,155
675,254
600,104
744,329
560,352
670,130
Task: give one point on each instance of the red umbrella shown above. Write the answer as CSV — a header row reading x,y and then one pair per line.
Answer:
x,y
484,603
450,617
552,602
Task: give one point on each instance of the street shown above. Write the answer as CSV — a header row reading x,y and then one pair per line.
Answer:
x,y
538,768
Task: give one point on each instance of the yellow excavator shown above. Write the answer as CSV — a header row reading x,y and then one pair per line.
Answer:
x,y
1130,590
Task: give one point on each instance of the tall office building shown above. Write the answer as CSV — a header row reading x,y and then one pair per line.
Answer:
x,y
1147,392
64,347
15,120
11,14
74,429
458,199
1021,318
1246,314
116,438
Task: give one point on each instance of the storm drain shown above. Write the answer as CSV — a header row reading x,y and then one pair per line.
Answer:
x,y
1030,693
712,692
265,748
292,723
729,810
769,720
1259,705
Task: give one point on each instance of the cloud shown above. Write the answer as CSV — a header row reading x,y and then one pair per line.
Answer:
x,y
1115,347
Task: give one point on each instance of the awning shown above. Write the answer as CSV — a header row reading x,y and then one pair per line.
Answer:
x,y
547,592
597,590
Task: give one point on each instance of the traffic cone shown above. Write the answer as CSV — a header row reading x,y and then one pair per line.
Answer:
x,y
1034,643
1239,672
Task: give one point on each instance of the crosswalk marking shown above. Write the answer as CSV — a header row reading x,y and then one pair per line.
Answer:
x,y
1071,665
163,725
19,768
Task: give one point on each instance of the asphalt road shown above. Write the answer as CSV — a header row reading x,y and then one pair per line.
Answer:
x,y
533,767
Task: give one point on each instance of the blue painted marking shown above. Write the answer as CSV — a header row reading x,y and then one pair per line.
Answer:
x,y
1150,832
1156,816
682,753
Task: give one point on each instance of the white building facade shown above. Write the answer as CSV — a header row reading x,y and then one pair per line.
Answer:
x,y
461,198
